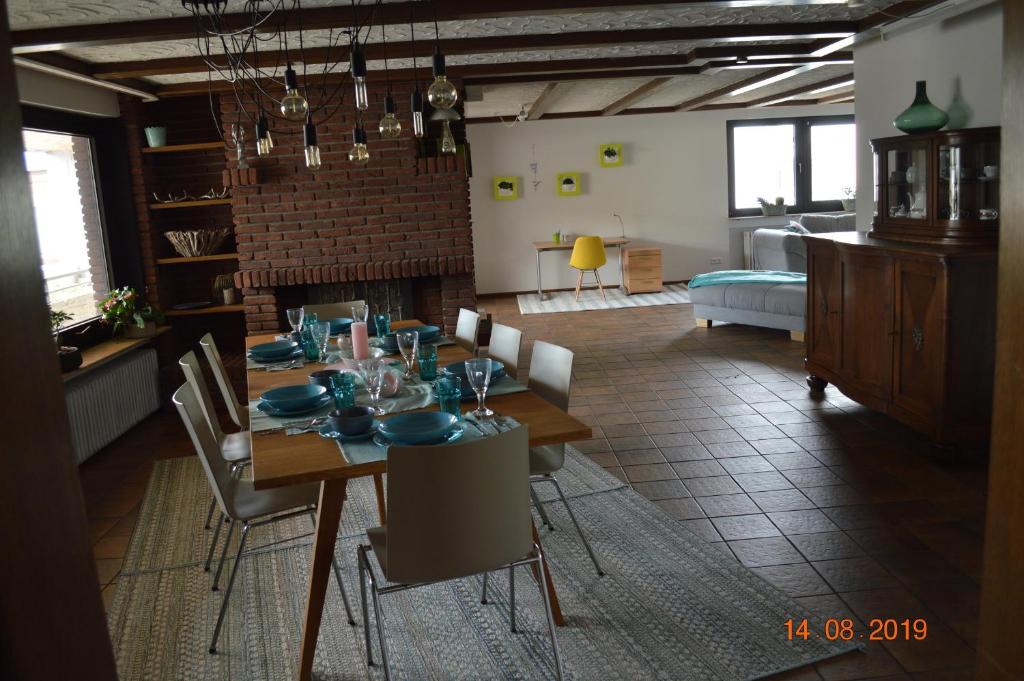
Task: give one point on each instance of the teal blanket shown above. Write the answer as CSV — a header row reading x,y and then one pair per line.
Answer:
x,y
746,277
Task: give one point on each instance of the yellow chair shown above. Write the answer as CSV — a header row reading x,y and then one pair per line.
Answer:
x,y
587,256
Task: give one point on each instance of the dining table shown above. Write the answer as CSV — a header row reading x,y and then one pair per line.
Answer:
x,y
281,460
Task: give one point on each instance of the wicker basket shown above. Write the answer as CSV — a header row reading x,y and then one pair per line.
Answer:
x,y
193,243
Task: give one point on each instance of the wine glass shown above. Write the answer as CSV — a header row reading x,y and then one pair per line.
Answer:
x,y
360,312
295,317
372,372
321,333
408,342
478,371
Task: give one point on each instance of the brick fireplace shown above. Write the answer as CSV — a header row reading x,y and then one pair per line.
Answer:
x,y
405,217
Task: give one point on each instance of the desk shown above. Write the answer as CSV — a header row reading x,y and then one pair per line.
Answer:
x,y
542,246
279,460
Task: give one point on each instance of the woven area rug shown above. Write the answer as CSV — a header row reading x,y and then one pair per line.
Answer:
x,y
670,607
590,299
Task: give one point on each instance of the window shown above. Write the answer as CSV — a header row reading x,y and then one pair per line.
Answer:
x,y
807,161
69,221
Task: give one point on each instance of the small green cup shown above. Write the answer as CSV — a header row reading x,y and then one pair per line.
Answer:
x,y
343,389
427,357
382,322
448,390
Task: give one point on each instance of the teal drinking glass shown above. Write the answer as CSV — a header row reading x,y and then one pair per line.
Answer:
x,y
382,322
310,347
448,390
427,357
343,388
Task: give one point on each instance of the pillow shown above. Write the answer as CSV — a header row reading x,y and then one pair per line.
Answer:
x,y
817,223
796,228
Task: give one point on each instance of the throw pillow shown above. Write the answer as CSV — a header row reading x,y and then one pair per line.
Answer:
x,y
796,228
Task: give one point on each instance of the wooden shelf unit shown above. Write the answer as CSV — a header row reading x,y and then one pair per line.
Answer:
x,y
197,203
178,148
212,309
199,258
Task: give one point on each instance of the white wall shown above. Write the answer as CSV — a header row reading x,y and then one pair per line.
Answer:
x,y
672,191
53,92
959,57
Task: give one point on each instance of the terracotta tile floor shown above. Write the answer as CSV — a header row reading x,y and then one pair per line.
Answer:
x,y
840,507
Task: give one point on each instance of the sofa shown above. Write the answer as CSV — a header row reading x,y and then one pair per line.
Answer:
x,y
784,250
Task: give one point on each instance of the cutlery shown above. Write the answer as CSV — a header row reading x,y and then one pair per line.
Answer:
x,y
477,426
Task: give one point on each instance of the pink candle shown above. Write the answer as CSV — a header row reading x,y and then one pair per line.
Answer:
x,y
360,341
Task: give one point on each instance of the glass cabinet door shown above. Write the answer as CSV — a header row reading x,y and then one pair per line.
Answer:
x,y
968,184
906,186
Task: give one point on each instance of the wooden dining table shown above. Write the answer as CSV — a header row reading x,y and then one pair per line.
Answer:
x,y
279,460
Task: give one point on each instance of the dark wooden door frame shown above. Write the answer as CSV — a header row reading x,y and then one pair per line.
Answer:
x,y
52,624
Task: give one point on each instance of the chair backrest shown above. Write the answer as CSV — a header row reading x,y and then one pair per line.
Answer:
x,y
223,381
329,311
194,376
459,509
551,373
190,408
466,329
588,253
504,347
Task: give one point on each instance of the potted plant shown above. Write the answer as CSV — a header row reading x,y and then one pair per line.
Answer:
x,y
123,309
850,200
70,358
777,208
224,285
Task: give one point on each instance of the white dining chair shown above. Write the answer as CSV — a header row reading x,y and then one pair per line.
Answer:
x,y
454,511
238,413
504,346
466,330
550,377
328,311
240,501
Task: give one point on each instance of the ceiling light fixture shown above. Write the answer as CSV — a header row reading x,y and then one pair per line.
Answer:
x,y
441,94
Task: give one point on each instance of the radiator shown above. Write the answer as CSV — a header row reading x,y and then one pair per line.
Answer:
x,y
105,403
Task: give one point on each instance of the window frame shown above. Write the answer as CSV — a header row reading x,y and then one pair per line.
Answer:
x,y
802,171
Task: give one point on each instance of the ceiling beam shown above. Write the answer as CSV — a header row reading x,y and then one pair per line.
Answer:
x,y
543,102
636,95
803,89
586,75
691,104
836,99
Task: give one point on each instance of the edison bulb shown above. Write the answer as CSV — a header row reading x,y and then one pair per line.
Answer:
x,y
362,98
358,68
312,149
442,93
264,142
359,154
313,157
263,146
447,139
390,126
294,106
417,124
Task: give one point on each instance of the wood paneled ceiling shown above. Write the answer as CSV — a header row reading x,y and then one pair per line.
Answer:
x,y
545,57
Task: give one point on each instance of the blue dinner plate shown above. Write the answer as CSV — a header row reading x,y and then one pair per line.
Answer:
x,y
331,434
275,360
452,435
340,325
418,427
276,349
271,410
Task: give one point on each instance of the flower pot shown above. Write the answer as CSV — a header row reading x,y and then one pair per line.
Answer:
x,y
229,296
773,210
156,136
922,115
132,331
70,359
849,204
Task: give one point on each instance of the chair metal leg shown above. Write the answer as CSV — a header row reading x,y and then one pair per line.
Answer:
x,y
483,592
209,513
344,594
572,517
540,509
543,584
213,543
599,286
380,624
512,597
223,556
363,567
231,583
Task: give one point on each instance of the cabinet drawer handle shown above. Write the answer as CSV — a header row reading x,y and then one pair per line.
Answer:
x,y
917,335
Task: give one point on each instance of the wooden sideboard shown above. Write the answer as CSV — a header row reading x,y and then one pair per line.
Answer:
x,y
641,270
905,328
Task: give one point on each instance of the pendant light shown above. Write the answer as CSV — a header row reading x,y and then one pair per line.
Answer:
x,y
293,105
264,142
358,64
416,99
359,154
389,126
446,116
441,94
309,141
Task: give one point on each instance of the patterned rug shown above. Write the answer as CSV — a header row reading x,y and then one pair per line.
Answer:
x,y
590,299
670,607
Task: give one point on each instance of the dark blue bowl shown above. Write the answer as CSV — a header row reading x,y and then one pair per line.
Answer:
x,y
340,325
419,427
275,350
294,397
351,420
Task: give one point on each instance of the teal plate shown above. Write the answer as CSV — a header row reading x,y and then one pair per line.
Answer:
x,y
454,434
330,434
277,360
271,411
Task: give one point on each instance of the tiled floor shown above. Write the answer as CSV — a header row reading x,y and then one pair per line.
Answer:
x,y
842,508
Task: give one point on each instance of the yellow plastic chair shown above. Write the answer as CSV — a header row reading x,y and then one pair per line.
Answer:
x,y
588,255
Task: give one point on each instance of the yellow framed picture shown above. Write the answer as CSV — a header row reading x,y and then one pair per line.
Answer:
x,y
505,188
610,155
568,184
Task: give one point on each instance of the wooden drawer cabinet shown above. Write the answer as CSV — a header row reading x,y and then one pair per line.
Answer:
x,y
904,328
641,270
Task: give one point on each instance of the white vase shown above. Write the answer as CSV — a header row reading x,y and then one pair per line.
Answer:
x,y
229,296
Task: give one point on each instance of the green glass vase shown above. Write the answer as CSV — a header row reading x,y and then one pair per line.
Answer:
x,y
922,116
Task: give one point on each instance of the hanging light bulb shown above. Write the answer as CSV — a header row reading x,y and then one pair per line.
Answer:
x,y
359,154
264,142
447,139
417,113
390,126
310,143
358,65
293,105
441,94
